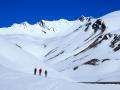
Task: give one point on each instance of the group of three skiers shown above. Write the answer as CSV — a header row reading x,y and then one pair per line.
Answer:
x,y
40,72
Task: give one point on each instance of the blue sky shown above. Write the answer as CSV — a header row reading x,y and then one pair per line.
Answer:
x,y
34,10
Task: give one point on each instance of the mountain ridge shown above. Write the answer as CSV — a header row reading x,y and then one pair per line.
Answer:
x,y
84,50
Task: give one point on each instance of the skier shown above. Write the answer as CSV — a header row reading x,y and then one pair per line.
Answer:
x,y
40,71
45,73
35,71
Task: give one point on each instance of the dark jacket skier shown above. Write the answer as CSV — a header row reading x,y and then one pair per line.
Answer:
x,y
45,73
35,71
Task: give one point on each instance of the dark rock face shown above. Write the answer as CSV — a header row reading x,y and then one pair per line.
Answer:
x,y
99,25
117,48
82,18
92,62
75,68
115,43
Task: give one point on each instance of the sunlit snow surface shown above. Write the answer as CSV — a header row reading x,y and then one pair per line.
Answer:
x,y
58,47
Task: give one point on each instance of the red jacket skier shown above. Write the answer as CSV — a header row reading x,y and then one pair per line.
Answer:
x,y
40,71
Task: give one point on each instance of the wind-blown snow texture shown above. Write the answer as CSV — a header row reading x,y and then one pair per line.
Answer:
x,y
71,51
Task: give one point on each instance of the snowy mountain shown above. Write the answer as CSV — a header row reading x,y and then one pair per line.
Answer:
x,y
83,50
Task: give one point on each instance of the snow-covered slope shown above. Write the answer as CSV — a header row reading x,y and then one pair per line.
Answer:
x,y
72,51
